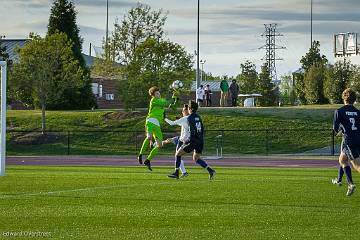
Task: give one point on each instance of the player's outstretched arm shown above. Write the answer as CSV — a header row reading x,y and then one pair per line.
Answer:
x,y
172,123
179,122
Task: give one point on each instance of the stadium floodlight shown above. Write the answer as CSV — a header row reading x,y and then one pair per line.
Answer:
x,y
346,44
3,118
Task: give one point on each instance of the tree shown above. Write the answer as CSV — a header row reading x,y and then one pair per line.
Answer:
x,y
299,86
4,56
337,80
63,19
139,24
107,68
355,79
310,85
154,63
287,89
265,87
45,70
314,84
248,77
313,57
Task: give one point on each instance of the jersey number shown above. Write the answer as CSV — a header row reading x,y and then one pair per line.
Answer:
x,y
198,127
352,120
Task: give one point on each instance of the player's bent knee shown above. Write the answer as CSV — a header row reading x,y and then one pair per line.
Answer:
x,y
343,160
196,157
343,163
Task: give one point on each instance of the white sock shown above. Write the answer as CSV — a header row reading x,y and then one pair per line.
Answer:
x,y
182,167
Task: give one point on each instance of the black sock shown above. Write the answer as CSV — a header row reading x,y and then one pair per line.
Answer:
x,y
347,171
202,163
341,174
177,162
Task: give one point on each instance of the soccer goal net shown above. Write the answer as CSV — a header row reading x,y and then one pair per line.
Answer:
x,y
3,118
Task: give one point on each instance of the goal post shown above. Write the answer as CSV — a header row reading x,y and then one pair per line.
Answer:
x,y
3,118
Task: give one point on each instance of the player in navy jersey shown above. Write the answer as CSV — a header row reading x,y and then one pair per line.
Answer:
x,y
195,143
347,122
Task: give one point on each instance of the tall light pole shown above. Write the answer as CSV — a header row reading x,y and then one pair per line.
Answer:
x,y
198,47
202,62
311,23
107,31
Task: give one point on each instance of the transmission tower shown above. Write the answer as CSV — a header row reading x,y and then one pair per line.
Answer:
x,y
271,47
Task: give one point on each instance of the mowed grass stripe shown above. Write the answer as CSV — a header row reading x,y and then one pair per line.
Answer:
x,y
242,203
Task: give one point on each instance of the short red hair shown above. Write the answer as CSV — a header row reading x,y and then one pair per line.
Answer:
x,y
153,90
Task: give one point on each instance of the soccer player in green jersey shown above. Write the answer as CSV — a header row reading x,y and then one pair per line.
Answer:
x,y
153,123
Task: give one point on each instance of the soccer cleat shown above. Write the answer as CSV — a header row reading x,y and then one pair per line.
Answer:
x,y
335,182
174,175
185,174
148,164
351,189
140,159
211,174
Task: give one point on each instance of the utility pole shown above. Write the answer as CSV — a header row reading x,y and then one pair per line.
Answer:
x,y
107,31
198,47
311,23
271,47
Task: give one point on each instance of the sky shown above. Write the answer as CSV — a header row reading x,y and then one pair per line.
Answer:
x,y
230,30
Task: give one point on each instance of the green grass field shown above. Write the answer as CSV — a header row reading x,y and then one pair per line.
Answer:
x,y
120,132
131,203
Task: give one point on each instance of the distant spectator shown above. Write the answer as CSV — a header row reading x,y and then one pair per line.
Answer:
x,y
208,94
234,92
224,87
200,95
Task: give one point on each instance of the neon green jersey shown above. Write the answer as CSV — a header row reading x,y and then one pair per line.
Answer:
x,y
157,108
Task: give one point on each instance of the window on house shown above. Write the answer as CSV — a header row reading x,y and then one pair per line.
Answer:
x,y
109,97
100,90
95,88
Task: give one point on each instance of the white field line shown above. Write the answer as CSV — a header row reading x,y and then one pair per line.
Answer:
x,y
78,190
88,189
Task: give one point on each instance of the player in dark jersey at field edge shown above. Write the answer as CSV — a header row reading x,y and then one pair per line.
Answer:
x,y
347,121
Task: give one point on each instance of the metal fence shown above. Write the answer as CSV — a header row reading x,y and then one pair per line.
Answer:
x,y
217,142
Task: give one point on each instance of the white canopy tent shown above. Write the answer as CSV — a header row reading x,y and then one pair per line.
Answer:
x,y
250,99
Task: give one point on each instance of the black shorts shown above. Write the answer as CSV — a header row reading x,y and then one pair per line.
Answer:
x,y
191,146
178,145
351,151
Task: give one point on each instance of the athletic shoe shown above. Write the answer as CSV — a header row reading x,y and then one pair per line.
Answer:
x,y
184,175
174,175
140,159
335,182
351,189
211,174
148,164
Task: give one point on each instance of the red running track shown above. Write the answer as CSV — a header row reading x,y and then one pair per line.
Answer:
x,y
276,162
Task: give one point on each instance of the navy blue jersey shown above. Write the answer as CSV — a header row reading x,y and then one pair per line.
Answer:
x,y
196,128
347,120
